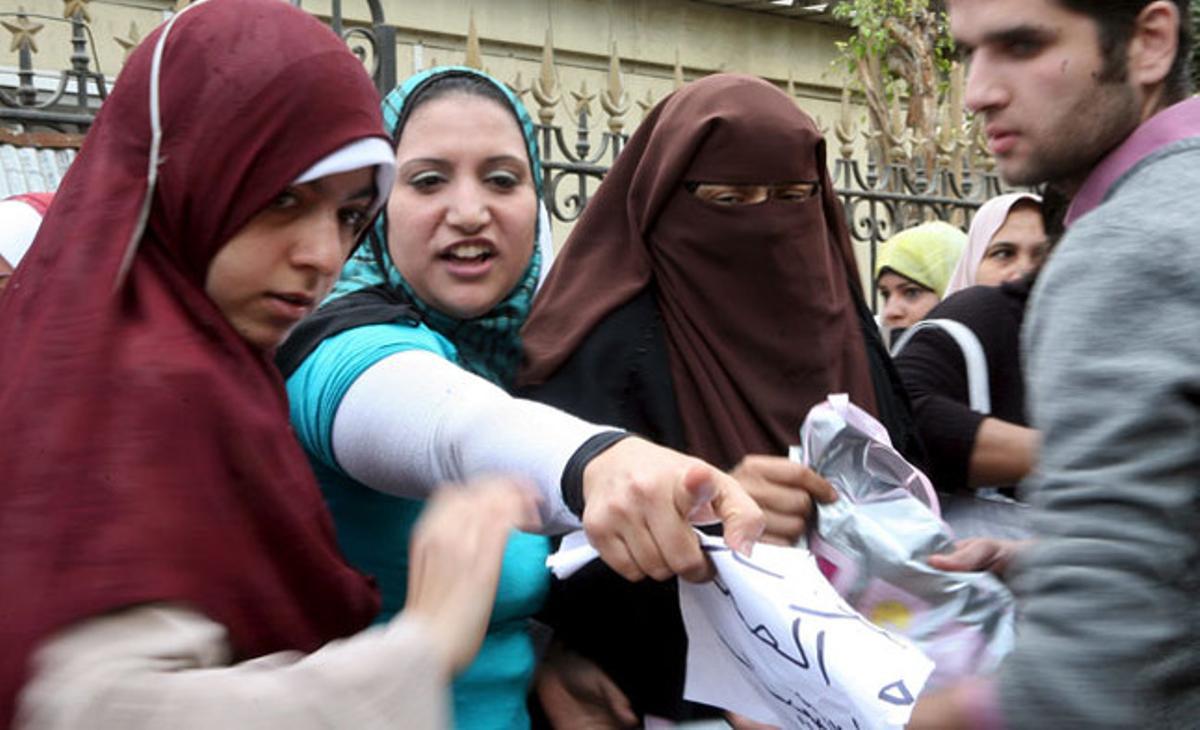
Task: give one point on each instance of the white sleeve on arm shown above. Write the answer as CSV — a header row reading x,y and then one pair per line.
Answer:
x,y
413,421
166,666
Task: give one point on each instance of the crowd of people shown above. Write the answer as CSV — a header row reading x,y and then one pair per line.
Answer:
x,y
296,399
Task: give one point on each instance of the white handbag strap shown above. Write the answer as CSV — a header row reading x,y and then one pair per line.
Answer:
x,y
977,369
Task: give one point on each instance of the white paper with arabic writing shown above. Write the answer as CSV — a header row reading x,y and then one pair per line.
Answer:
x,y
769,638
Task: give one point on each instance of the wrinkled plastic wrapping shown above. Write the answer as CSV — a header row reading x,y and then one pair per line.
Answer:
x,y
873,542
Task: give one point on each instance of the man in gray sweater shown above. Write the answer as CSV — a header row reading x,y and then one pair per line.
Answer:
x,y
1090,96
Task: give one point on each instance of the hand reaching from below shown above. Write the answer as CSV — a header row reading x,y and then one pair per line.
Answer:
x,y
978,554
454,561
576,694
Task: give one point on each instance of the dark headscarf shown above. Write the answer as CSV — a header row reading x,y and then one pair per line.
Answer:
x,y
144,445
758,301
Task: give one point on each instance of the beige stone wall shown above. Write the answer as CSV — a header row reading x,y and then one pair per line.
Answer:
x,y
654,39
650,36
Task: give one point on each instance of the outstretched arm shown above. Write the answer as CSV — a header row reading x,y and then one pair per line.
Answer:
x,y
414,420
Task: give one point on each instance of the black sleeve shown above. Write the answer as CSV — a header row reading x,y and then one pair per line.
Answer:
x,y
934,374
620,376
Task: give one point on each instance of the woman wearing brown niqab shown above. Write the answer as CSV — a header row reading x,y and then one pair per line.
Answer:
x,y
758,302
707,298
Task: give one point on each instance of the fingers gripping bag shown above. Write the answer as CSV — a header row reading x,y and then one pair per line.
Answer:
x,y
873,542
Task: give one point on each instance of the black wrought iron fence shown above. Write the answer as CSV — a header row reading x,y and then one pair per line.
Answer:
x,y
917,180
71,106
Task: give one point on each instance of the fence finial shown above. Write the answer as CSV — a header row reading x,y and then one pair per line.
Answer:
x,y
545,86
614,100
23,32
979,145
679,81
73,8
130,41
647,103
518,87
844,129
583,100
947,139
474,57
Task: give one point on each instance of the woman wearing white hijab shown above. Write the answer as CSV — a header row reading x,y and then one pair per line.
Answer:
x,y
1007,240
976,433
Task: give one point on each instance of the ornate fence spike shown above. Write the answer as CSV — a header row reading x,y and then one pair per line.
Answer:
x,y
844,128
897,135
23,43
23,32
518,87
545,86
73,8
583,100
979,146
921,152
679,80
647,103
474,57
130,41
614,100
822,127
947,139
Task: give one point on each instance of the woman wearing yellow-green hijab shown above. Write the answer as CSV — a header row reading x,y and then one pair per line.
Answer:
x,y
913,269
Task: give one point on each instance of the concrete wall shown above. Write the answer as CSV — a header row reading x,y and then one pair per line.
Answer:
x,y
650,37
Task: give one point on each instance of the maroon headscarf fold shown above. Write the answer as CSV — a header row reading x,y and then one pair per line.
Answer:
x,y
757,300
145,449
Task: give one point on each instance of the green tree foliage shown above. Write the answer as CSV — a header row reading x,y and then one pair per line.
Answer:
x,y
899,49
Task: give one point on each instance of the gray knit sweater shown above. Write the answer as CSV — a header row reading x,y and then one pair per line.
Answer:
x,y
1110,631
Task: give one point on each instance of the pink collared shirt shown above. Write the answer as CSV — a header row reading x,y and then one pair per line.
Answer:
x,y
1176,122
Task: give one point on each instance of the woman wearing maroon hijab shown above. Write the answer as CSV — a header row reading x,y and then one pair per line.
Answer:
x,y
156,513
707,298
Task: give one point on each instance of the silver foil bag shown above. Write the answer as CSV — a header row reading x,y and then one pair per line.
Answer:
x,y
873,542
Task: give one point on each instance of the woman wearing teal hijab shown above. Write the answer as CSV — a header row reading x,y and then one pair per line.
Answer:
x,y
487,342
397,384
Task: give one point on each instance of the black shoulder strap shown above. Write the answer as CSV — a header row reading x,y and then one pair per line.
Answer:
x,y
373,305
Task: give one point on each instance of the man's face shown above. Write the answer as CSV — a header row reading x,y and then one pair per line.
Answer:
x,y
1035,71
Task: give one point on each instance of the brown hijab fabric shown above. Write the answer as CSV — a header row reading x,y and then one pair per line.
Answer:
x,y
145,447
758,301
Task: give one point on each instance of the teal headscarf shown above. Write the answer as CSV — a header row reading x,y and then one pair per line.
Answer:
x,y
488,345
